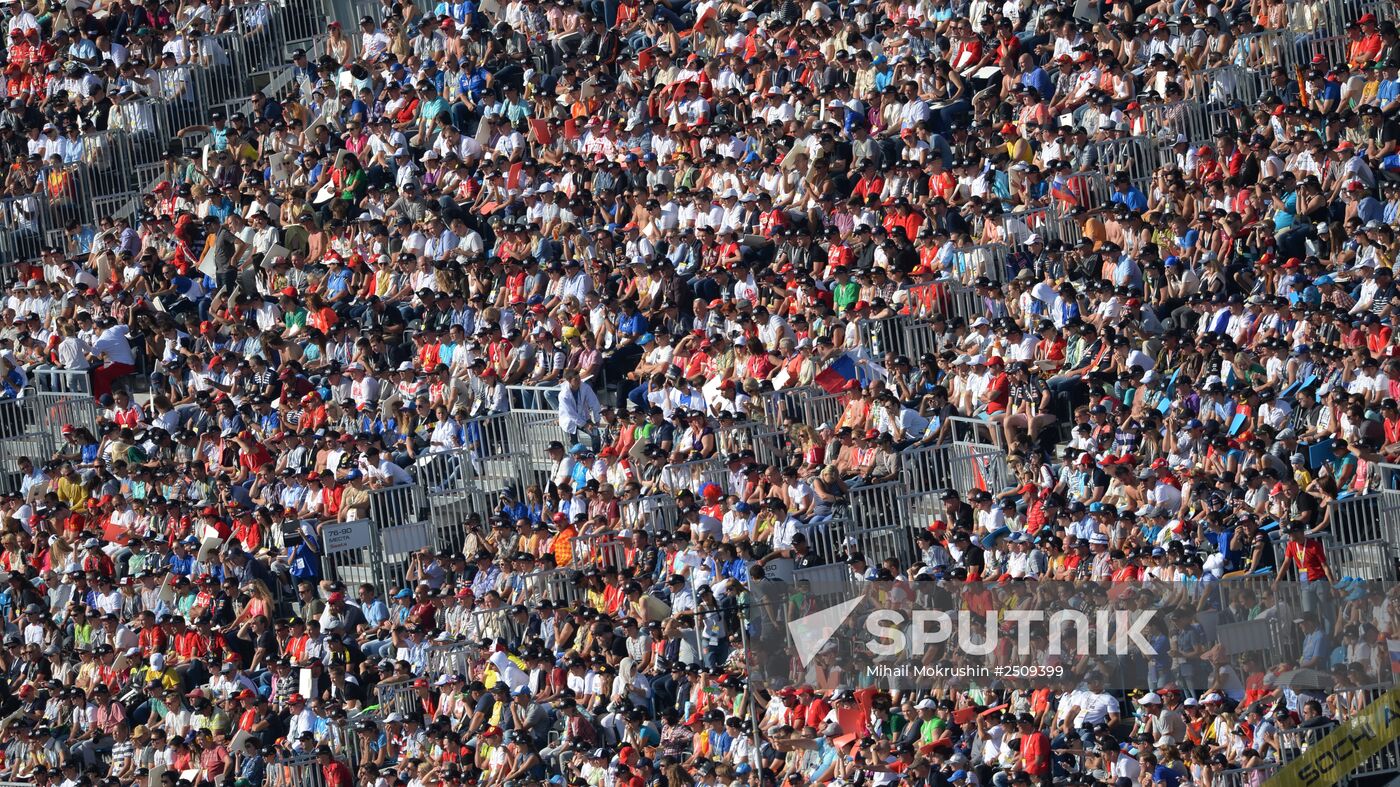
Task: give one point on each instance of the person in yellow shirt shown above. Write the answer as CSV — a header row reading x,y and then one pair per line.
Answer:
x,y
70,489
1017,147
157,672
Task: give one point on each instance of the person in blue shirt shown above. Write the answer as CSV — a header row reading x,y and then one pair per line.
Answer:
x,y
631,324
510,507
1368,208
431,73
11,380
1315,649
463,13
884,77
472,83
181,560
1125,193
1162,776
1035,78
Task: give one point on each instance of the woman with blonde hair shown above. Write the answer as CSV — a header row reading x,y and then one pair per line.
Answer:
x,y
260,603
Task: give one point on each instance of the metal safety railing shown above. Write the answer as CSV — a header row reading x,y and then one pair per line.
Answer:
x,y
558,584
1130,155
450,658
37,447
542,398
390,505
823,408
880,543
1373,560
1338,13
968,262
493,623
973,430
769,444
784,406
600,551
877,505
295,770
397,697
63,381
1254,776
693,476
958,465
47,413
828,538
653,513
825,583
1364,518
1169,119
946,299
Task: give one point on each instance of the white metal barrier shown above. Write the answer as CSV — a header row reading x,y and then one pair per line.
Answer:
x,y
768,443
823,408
543,398
1364,518
599,550
73,381
960,465
830,581
653,513
693,476
295,770
877,505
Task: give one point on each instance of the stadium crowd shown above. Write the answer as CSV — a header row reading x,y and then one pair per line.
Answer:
x,y
1176,322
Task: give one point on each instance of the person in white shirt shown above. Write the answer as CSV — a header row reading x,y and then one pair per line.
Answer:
x,y
1092,706
383,472
563,464
579,409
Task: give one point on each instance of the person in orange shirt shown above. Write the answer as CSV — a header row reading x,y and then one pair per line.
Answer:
x,y
1364,42
563,545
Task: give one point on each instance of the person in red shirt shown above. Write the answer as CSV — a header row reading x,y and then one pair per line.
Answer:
x,y
1305,554
998,391
1364,42
333,771
1035,750
1390,422
870,183
1008,45
813,706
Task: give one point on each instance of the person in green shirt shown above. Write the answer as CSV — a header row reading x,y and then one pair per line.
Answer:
x,y
293,319
931,727
82,627
844,293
